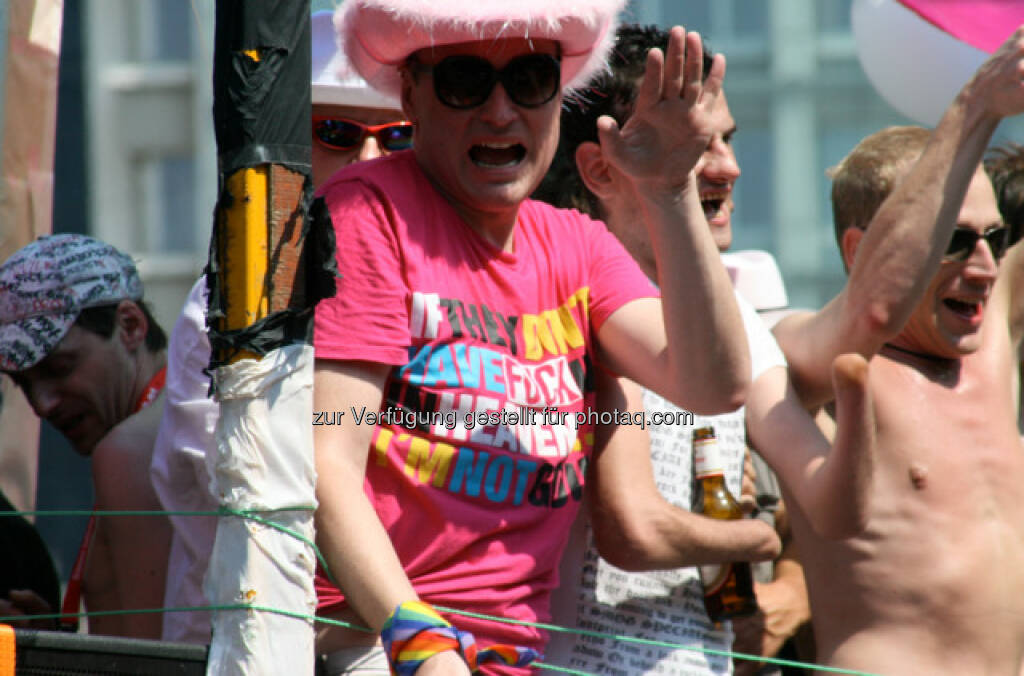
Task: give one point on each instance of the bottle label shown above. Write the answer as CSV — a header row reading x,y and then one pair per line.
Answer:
x,y
707,459
713,577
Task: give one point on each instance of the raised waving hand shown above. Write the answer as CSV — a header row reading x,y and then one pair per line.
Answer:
x,y
671,123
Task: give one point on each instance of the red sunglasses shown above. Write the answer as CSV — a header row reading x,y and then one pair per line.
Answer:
x,y
339,133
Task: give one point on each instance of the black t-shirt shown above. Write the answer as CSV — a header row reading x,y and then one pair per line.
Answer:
x,y
25,561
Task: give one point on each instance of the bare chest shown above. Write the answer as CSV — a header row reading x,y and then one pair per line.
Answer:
x,y
948,495
944,435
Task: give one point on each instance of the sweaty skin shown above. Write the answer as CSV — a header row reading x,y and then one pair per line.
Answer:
x,y
934,582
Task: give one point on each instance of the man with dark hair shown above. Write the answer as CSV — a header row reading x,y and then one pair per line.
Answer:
x,y
612,93
1005,166
78,340
603,592
935,298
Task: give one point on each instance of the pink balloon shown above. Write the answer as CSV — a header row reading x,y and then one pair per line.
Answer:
x,y
984,24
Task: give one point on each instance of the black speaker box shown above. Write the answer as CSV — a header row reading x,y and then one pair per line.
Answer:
x,y
53,653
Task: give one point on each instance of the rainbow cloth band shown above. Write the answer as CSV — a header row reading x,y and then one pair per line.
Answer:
x,y
415,632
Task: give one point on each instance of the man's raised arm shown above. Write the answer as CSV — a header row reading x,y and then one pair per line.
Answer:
x,y
895,255
691,347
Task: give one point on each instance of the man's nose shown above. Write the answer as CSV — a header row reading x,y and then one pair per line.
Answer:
x,y
369,148
982,265
499,108
720,162
43,398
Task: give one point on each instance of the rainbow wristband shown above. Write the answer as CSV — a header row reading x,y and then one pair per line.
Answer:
x,y
415,632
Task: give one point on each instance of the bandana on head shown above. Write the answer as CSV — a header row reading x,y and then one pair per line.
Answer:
x,y
45,285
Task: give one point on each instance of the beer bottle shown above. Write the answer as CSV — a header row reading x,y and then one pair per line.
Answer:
x,y
728,587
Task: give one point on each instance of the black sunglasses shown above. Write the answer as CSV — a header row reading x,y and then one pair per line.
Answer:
x,y
962,244
339,133
464,82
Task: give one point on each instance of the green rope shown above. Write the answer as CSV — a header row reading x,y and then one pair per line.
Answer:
x,y
254,515
550,627
623,638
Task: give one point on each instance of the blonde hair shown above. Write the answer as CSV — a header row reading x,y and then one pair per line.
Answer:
x,y
866,176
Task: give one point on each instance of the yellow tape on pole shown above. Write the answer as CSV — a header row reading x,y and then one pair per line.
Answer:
x,y
246,242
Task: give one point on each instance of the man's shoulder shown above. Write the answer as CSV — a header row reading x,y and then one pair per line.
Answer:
x,y
133,436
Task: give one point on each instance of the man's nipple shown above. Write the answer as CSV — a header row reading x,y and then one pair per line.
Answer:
x,y
918,476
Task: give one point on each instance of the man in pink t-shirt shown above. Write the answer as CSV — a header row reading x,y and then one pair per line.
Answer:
x,y
455,366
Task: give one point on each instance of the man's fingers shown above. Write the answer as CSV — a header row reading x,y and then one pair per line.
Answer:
x,y
676,58
713,83
608,136
649,91
29,601
694,68
8,609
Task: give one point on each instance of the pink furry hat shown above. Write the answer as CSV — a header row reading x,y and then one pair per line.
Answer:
x,y
334,80
379,35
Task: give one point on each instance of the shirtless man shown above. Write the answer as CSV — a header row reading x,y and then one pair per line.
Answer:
x,y
933,584
78,340
1005,166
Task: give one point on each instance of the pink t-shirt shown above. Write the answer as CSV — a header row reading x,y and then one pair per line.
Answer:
x,y
478,513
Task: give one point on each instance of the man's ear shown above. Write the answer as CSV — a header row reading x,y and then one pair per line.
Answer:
x,y
850,241
594,170
131,324
406,95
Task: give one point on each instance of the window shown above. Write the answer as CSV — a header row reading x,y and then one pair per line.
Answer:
x,y
833,16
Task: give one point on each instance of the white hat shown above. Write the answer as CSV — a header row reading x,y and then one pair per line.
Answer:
x,y
756,277
334,80
379,35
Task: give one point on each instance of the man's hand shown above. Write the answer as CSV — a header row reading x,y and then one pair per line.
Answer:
x,y
25,602
783,609
671,124
999,83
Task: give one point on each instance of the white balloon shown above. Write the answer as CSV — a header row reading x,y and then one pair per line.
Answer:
x,y
917,68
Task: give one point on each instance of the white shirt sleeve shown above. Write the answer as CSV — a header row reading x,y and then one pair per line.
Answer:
x,y
764,351
178,468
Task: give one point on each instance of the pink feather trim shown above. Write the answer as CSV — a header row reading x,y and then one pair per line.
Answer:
x,y
379,35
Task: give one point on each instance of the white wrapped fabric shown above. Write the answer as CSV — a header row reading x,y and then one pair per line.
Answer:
x,y
263,462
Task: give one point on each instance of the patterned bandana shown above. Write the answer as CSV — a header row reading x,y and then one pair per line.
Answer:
x,y
45,285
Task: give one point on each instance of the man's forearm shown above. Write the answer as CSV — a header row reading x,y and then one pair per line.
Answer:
x,y
358,551
360,557
707,353
664,536
635,527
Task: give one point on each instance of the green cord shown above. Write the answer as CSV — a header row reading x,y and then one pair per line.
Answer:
x,y
253,515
